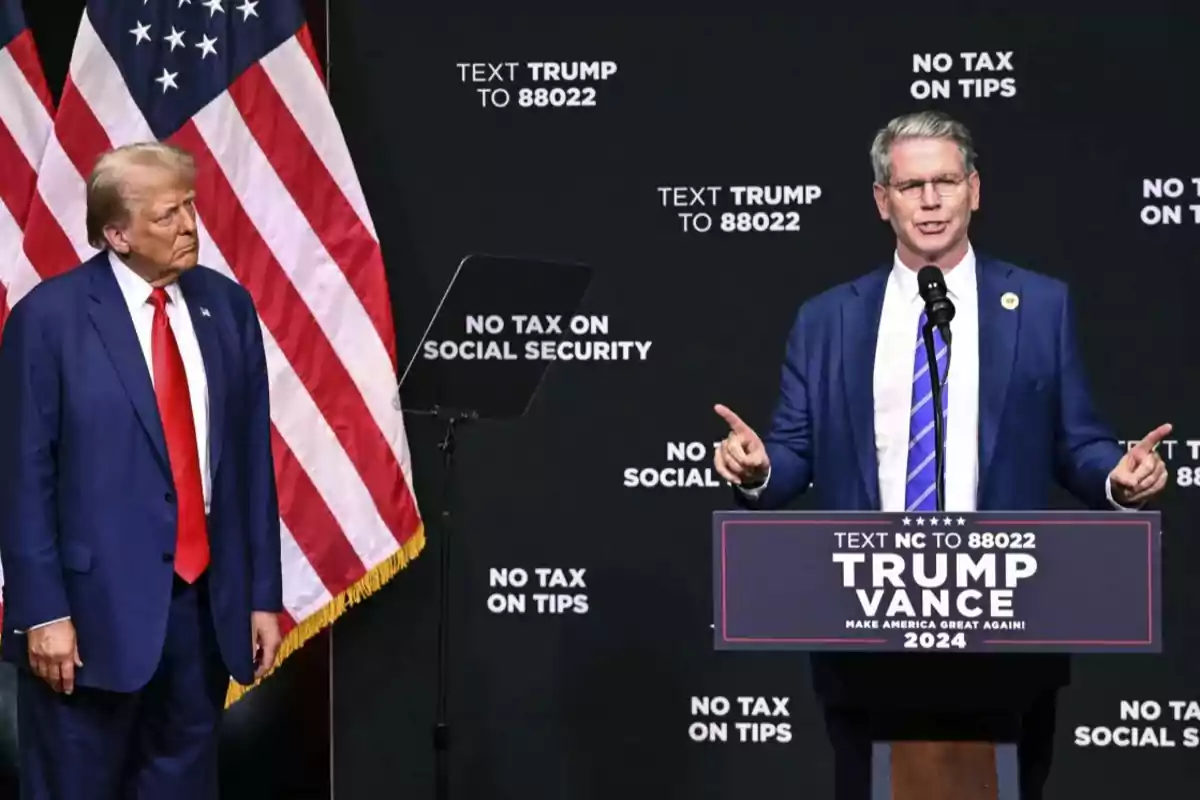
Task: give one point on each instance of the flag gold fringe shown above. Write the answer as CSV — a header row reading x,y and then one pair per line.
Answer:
x,y
309,627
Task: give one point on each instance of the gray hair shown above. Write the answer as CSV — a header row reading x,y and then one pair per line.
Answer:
x,y
919,125
106,203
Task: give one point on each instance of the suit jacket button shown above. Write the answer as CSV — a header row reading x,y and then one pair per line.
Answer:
x,y
170,498
168,558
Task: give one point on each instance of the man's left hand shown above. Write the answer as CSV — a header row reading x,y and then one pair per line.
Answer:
x,y
265,644
1141,473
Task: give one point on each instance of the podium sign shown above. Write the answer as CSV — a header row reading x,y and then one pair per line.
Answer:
x,y
1063,582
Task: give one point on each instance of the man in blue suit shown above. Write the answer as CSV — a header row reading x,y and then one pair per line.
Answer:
x,y
853,423
139,527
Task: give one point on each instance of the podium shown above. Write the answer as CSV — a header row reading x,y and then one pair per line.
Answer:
x,y
984,582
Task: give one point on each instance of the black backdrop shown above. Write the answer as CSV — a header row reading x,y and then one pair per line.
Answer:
x,y
586,705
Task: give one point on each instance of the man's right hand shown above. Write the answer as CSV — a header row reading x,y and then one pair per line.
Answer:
x,y
54,654
741,459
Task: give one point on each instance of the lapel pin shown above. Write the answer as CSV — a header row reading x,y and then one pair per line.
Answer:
x,y
204,311
1010,301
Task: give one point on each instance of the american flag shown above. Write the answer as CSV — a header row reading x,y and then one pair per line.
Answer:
x,y
26,117
238,84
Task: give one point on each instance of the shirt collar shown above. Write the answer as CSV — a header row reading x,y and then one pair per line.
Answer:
x,y
960,281
135,289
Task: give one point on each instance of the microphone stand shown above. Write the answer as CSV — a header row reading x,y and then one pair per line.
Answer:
x,y
936,385
451,419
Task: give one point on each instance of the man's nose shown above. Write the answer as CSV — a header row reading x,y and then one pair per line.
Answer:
x,y
188,222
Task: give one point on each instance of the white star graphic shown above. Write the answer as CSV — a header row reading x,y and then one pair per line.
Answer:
x,y
962,521
906,521
247,8
947,521
213,7
141,32
176,38
207,46
181,2
920,520
167,80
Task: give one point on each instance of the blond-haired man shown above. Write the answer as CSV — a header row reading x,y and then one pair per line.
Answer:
x,y
138,514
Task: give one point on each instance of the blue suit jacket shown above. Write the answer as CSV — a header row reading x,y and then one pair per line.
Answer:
x,y
87,512
1037,427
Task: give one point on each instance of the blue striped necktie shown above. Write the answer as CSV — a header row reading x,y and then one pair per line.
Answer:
x,y
920,492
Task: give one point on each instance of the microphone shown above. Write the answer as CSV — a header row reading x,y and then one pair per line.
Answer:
x,y
938,311
938,307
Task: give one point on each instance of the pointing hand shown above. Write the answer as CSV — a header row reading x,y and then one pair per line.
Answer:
x,y
741,458
1141,473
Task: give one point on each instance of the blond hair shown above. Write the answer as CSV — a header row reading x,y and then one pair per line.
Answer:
x,y
106,201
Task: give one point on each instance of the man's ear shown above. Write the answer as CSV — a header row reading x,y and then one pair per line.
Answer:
x,y
117,240
880,193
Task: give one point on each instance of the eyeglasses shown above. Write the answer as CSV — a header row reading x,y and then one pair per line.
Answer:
x,y
945,186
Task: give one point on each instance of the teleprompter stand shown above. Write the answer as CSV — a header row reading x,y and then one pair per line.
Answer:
x,y
480,359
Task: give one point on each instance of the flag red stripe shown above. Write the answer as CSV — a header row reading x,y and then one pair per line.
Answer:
x,y
304,37
46,245
82,138
312,525
317,195
286,623
24,53
3,317
300,338
81,135
20,178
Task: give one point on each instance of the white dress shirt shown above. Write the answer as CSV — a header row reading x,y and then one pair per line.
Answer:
x,y
895,353
136,292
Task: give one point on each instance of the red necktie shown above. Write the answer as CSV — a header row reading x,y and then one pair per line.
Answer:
x,y
175,409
